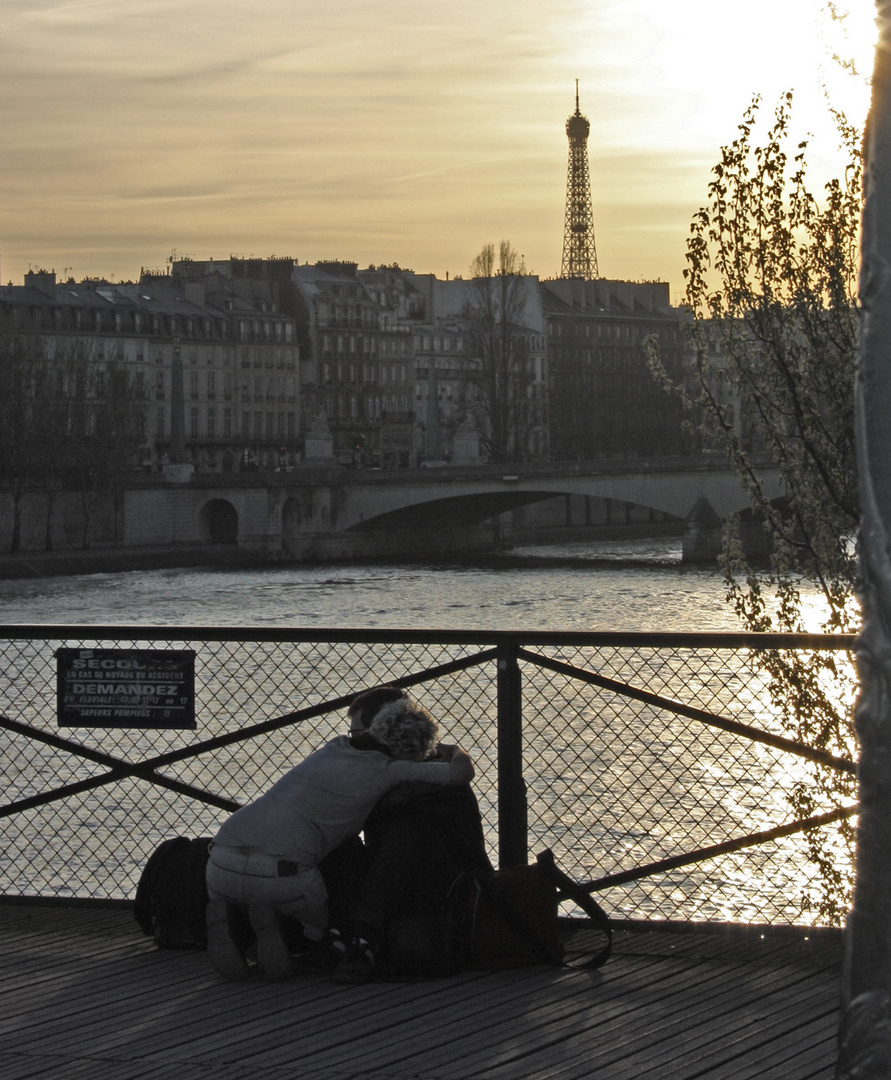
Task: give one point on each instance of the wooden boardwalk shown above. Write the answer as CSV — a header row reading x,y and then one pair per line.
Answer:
x,y
85,997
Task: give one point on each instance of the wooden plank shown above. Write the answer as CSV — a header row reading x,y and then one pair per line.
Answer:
x,y
666,1025
679,1039
496,1044
84,995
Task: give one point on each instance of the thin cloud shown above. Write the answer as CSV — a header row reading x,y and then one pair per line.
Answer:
x,y
215,126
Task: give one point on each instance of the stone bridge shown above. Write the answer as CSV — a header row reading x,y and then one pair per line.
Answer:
x,y
334,512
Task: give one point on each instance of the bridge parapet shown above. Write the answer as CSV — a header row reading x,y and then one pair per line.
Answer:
x,y
335,512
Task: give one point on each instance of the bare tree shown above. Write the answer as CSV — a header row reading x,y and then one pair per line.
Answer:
x,y
25,373
105,426
500,379
67,421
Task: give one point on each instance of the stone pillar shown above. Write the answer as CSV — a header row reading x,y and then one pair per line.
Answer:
x,y
319,445
703,531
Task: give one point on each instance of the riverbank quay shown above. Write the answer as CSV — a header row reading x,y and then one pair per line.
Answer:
x,y
86,997
69,562
111,560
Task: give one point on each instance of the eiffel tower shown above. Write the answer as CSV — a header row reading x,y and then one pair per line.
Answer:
x,y
579,253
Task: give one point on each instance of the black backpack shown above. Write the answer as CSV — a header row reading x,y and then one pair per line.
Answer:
x,y
515,921
171,897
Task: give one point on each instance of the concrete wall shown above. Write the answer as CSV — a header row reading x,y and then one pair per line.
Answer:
x,y
67,523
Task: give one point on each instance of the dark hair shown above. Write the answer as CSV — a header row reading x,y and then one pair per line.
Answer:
x,y
368,704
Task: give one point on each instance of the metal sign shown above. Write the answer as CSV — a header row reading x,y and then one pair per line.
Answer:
x,y
125,688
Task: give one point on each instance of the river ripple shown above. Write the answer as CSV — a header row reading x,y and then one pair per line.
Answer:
x,y
638,586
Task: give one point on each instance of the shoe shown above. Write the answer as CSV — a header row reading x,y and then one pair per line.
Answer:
x,y
322,955
225,955
357,965
272,952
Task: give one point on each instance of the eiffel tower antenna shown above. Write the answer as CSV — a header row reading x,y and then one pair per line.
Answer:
x,y
579,252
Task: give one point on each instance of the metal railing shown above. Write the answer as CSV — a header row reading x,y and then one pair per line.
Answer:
x,y
654,766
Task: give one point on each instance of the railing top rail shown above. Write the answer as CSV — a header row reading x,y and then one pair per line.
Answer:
x,y
711,640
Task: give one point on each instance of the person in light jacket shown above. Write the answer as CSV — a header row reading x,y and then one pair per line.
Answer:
x,y
264,860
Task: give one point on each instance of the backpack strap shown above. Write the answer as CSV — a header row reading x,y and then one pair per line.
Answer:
x,y
143,909
567,889
196,887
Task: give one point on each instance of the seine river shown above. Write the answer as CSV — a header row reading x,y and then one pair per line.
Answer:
x,y
627,586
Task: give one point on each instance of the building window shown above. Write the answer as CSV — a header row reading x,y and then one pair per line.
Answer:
x,y
211,423
227,423
193,422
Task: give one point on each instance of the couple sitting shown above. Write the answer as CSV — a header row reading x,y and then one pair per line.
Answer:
x,y
272,857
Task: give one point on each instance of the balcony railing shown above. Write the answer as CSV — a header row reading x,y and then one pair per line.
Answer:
x,y
654,766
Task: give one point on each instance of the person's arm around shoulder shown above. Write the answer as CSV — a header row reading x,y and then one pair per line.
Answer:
x,y
461,770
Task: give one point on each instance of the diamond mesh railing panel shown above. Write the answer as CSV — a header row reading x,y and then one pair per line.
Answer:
x,y
612,782
94,843
620,783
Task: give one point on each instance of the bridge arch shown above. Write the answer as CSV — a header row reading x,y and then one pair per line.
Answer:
x,y
218,522
668,487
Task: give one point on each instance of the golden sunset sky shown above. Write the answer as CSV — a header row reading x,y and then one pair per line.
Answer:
x,y
386,131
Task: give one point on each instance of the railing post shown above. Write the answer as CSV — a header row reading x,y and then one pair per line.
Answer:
x,y
512,831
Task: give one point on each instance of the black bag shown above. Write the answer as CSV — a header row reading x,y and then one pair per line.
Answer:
x,y
431,840
171,897
514,918
430,944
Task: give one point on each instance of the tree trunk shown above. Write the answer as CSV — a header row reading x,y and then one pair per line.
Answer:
x,y
16,539
865,1032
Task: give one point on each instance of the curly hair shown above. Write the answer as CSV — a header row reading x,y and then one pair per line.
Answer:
x,y
406,729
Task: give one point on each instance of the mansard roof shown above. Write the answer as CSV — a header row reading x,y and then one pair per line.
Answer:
x,y
605,298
